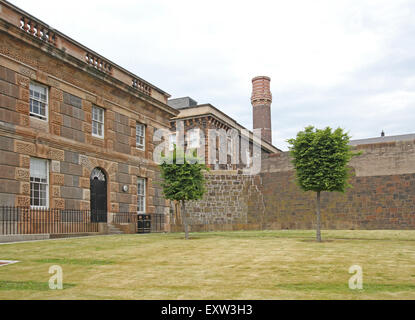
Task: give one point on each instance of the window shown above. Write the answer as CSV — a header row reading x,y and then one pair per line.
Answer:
x,y
172,141
194,138
39,183
229,140
140,136
141,195
248,158
97,122
38,101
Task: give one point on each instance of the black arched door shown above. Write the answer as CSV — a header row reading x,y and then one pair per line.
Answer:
x,y
98,185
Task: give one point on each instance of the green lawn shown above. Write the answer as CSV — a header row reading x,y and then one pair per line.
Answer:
x,y
222,265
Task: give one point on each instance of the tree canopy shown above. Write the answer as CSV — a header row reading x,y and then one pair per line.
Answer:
x,y
320,158
183,179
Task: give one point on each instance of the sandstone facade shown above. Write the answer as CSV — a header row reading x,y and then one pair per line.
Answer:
x,y
76,82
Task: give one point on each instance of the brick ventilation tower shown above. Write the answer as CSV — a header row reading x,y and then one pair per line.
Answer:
x,y
261,102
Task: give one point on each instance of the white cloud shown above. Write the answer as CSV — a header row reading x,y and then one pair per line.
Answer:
x,y
346,63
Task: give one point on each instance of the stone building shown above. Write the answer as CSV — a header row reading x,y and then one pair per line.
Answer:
x,y
76,133
76,130
223,142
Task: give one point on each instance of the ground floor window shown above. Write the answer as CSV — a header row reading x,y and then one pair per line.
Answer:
x,y
39,183
141,195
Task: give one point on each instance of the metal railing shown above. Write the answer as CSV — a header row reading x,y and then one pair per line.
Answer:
x,y
124,217
20,220
145,222
157,223
23,220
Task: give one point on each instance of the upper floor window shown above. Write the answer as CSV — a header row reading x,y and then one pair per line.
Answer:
x,y
38,101
39,183
193,138
172,141
140,136
141,195
249,159
97,122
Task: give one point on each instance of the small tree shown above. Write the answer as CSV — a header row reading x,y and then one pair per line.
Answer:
x,y
183,180
320,158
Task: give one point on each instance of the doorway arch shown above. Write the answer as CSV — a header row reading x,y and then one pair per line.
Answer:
x,y
98,188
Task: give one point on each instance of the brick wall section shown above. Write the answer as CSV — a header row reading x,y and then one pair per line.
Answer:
x,y
122,133
261,102
72,118
9,96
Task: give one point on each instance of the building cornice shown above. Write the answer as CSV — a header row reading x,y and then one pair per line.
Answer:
x,y
17,22
209,110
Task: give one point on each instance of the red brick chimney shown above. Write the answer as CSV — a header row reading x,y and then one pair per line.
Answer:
x,y
261,102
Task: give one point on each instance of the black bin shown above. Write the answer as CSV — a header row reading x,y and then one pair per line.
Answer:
x,y
143,223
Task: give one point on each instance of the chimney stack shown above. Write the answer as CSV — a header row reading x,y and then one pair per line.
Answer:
x,y
261,102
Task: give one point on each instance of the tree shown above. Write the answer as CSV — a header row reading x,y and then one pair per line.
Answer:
x,y
183,180
320,158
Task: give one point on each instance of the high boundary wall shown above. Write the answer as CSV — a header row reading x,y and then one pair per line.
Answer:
x,y
229,199
382,195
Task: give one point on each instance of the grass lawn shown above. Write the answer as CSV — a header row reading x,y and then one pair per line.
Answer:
x,y
220,265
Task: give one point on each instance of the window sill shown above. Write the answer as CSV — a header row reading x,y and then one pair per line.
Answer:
x,y
34,116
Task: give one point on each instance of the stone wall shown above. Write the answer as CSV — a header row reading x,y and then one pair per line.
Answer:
x,y
226,205
382,195
227,199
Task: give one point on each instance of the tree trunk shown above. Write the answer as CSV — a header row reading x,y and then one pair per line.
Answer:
x,y
318,217
184,219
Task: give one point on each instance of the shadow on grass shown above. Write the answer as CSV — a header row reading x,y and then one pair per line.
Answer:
x,y
29,285
84,262
314,240
190,238
302,235
342,288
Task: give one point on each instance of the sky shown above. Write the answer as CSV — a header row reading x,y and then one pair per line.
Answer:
x,y
348,64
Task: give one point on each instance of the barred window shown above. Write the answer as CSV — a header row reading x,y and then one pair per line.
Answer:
x,y
38,101
97,122
172,141
140,136
39,183
141,195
